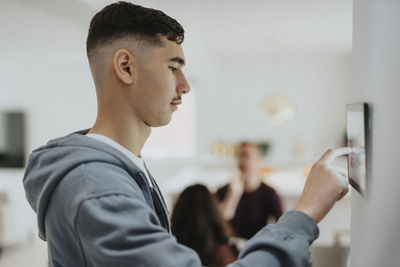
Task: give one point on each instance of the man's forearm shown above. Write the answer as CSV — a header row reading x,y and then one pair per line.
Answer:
x,y
284,244
229,204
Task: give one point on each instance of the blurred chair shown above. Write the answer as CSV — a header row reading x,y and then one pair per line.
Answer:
x,y
332,256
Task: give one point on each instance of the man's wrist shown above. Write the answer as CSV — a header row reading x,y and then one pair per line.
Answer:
x,y
300,222
308,211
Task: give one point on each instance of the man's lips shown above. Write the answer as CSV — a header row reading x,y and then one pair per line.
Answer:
x,y
176,102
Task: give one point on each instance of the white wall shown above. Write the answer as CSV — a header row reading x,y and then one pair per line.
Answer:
x,y
298,49
376,63
43,71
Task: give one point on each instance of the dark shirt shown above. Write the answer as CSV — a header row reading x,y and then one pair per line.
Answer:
x,y
253,210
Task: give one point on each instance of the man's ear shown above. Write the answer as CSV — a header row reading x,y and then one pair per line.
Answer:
x,y
123,65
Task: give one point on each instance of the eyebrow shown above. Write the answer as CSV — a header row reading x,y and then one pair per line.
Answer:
x,y
179,60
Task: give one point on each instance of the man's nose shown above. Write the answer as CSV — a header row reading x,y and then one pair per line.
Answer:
x,y
183,85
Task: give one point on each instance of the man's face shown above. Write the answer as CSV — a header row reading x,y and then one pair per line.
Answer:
x,y
160,83
248,158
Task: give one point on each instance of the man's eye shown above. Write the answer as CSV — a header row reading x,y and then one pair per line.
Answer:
x,y
173,69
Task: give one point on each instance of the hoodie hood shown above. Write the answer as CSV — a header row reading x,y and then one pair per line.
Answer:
x,y
47,165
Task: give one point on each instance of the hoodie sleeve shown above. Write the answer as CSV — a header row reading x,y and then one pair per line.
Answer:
x,y
119,230
285,243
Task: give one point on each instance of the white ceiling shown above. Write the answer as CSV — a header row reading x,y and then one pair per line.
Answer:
x,y
232,26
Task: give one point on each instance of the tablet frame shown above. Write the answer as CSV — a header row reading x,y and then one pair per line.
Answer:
x,y
357,182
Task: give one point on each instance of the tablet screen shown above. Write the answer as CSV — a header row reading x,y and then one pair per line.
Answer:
x,y
356,139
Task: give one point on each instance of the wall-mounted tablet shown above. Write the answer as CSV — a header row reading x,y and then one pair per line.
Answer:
x,y
357,131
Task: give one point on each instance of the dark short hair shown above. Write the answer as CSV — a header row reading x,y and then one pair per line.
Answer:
x,y
262,147
250,144
123,19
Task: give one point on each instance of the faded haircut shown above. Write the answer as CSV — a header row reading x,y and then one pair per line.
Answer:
x,y
124,20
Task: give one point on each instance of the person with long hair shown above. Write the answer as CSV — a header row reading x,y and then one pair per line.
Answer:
x,y
197,223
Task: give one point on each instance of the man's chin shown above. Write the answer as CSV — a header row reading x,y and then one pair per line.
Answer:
x,y
160,123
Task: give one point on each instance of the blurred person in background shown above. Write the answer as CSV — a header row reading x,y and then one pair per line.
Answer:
x,y
197,223
246,202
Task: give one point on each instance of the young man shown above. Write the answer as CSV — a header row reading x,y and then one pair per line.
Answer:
x,y
246,202
97,205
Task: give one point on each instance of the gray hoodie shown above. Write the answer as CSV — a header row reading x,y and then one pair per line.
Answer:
x,y
95,208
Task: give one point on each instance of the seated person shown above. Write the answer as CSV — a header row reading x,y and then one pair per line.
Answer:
x,y
196,223
247,203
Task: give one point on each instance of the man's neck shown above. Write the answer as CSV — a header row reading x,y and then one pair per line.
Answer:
x,y
125,131
252,182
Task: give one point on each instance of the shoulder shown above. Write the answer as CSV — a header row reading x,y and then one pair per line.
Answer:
x,y
93,181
